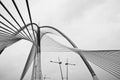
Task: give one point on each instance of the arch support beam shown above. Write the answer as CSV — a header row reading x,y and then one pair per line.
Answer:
x,y
79,53
69,40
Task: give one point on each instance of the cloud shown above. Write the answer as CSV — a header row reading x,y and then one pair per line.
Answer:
x,y
63,10
93,20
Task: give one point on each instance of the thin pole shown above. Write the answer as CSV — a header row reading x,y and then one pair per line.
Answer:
x,y
60,68
66,70
59,62
67,64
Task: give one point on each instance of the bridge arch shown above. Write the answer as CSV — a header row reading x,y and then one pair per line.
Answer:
x,y
69,40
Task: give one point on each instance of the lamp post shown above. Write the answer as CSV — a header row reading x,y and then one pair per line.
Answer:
x,y
59,62
67,64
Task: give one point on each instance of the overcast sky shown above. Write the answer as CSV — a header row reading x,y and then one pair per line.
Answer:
x,y
91,24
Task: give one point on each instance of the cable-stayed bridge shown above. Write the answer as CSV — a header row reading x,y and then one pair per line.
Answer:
x,y
11,33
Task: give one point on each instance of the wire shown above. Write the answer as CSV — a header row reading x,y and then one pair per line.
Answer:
x,y
13,17
21,18
30,18
10,23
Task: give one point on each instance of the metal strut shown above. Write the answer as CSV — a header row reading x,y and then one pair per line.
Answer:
x,y
37,72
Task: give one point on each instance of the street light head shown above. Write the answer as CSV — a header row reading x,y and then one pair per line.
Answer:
x,y
60,62
51,61
66,63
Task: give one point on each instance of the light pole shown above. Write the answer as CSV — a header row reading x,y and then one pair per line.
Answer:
x,y
59,62
67,64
